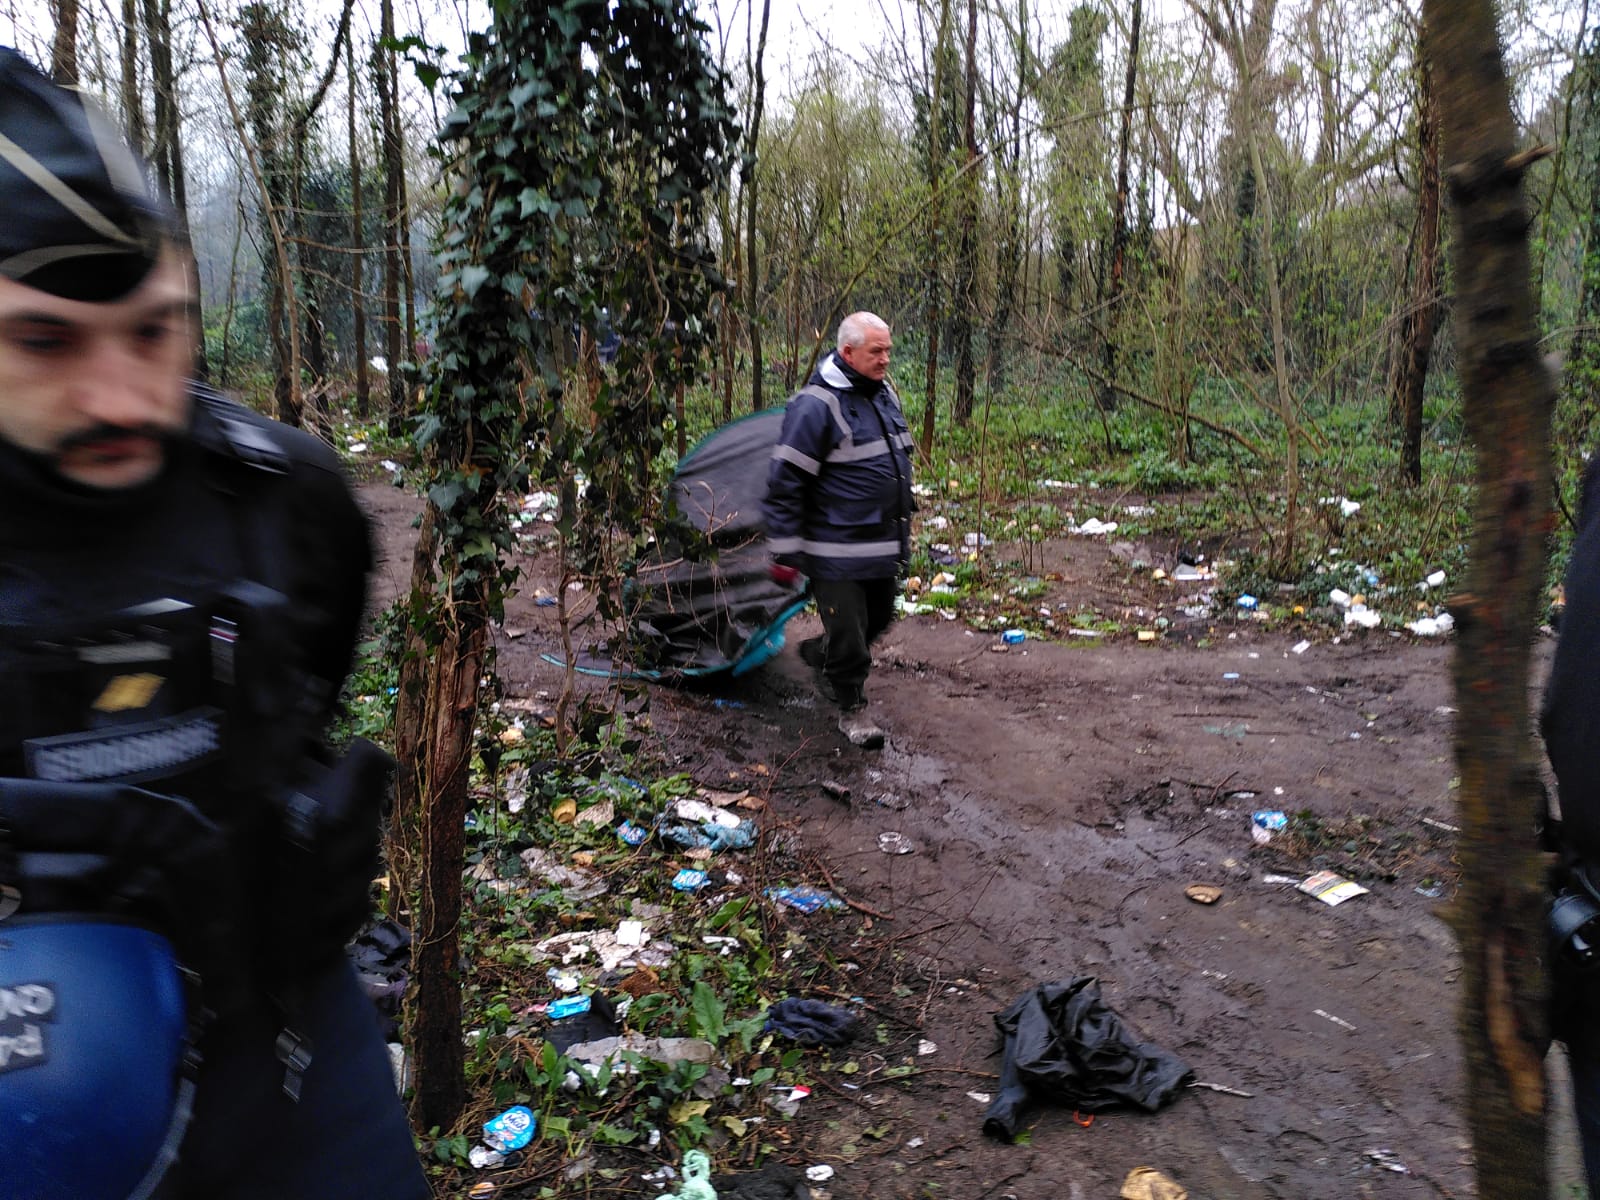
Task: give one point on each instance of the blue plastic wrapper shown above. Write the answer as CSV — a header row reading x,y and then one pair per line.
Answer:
x,y
1247,601
567,1006
633,834
1012,636
807,899
689,880
1271,820
511,1130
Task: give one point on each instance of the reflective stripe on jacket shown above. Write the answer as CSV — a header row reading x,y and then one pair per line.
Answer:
x,y
839,485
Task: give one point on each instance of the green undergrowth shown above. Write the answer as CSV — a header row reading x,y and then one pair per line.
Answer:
x,y
546,860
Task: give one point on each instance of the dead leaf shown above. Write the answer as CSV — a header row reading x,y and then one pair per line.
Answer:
x,y
643,982
721,799
583,858
734,1126
688,1110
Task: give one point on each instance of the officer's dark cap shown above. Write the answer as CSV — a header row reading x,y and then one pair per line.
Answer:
x,y
81,221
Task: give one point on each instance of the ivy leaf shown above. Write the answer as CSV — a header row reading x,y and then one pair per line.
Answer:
x,y
474,277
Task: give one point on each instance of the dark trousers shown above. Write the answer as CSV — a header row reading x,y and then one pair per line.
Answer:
x,y
348,1135
1584,1061
854,612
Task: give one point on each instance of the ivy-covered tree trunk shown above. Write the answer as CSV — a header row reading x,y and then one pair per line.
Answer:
x,y
1506,400
587,139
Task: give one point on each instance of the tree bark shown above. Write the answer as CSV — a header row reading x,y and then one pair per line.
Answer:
x,y
132,103
288,380
1506,402
64,50
1417,326
1119,220
358,250
389,126
935,305
967,244
747,180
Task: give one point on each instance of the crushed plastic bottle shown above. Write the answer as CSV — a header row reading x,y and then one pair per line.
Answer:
x,y
511,1130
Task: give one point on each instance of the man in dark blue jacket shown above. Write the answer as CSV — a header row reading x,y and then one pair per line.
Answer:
x,y
839,508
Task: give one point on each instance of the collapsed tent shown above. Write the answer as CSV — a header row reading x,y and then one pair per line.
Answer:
x,y
704,609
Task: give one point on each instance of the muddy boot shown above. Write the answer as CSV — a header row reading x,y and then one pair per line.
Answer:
x,y
814,653
856,725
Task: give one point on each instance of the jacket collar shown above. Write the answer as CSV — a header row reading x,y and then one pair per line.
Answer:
x,y
836,373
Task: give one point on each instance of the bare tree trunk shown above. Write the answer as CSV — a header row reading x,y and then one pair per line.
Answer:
x,y
935,306
358,256
64,50
388,122
747,178
967,246
289,376
1284,560
1417,326
1506,401
168,145
1009,262
132,103
1119,221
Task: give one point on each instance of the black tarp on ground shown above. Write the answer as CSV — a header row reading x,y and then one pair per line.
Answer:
x,y
720,612
1064,1044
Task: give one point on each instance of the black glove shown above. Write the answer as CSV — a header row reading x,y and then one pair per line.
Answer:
x,y
321,883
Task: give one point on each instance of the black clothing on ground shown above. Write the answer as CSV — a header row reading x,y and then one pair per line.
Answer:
x,y
1064,1044
854,613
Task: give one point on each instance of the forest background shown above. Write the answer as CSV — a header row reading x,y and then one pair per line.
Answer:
x,y
1178,246
1193,256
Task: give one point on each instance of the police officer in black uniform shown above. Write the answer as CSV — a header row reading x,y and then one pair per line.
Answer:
x,y
181,586
1571,728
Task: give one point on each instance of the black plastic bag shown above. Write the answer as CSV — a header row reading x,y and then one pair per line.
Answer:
x,y
1063,1044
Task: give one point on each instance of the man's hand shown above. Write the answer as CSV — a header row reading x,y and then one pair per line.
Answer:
x,y
784,576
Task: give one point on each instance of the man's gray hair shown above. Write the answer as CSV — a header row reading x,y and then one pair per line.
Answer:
x,y
853,329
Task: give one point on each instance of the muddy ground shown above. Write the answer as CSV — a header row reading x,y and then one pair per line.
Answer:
x,y
1061,796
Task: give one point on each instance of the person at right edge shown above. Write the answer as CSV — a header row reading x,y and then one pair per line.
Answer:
x,y
1571,728
838,510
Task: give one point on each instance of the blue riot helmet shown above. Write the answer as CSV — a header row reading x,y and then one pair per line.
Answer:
x,y
94,1098
99,1009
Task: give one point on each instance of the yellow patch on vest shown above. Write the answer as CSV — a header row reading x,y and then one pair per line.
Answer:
x,y
127,692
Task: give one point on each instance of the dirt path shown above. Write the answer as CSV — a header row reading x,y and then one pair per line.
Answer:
x,y
1061,796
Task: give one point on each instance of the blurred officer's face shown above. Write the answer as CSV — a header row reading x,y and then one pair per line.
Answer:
x,y
871,358
97,389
